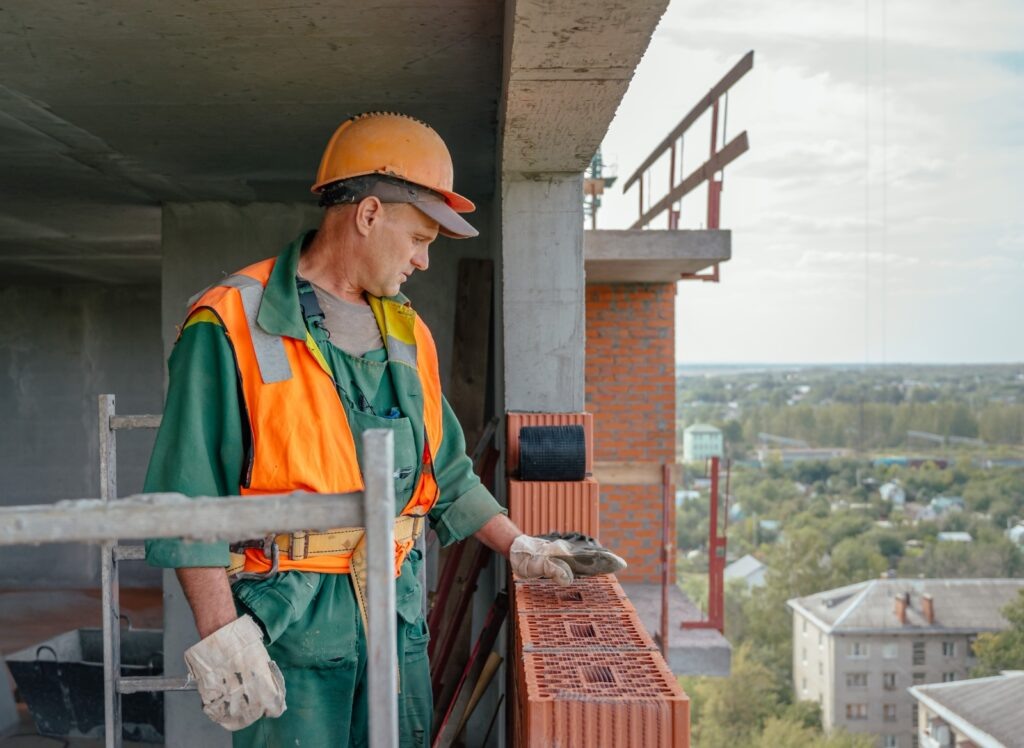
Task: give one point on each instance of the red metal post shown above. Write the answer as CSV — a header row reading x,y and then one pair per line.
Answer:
x,y
716,565
668,555
713,186
672,168
716,559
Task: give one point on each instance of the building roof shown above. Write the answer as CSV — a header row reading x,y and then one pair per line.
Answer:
x,y
703,428
961,605
743,567
986,710
956,537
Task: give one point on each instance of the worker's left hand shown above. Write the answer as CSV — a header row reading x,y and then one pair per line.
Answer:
x,y
532,558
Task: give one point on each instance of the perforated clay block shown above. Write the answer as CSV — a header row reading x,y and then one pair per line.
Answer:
x,y
615,699
609,630
584,594
557,506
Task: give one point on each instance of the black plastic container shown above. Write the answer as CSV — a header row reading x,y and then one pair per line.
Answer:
x,y
61,682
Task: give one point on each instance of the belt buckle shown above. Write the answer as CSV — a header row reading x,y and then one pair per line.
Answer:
x,y
273,552
300,546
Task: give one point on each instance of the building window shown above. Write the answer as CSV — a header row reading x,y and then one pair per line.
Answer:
x,y
913,720
821,640
821,667
805,626
857,650
803,656
949,649
948,677
856,711
803,684
888,681
918,678
889,712
856,680
918,653
890,741
890,651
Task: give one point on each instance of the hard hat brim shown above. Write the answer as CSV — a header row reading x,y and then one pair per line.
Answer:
x,y
450,223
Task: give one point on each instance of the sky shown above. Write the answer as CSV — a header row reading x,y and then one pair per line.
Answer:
x,y
878,216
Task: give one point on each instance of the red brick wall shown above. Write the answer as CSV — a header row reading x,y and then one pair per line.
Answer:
x,y
631,392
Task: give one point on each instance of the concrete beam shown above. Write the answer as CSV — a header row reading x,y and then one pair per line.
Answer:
x,y
543,293
635,256
566,69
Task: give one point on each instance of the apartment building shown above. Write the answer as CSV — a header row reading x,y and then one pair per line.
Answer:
x,y
977,713
857,649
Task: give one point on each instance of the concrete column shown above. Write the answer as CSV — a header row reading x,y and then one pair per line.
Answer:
x,y
543,292
201,243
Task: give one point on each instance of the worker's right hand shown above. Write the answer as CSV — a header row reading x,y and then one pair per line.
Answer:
x,y
237,680
533,558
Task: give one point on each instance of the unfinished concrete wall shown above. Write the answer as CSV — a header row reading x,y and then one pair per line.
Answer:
x,y
631,392
60,347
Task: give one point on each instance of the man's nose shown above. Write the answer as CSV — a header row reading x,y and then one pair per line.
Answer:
x,y
420,260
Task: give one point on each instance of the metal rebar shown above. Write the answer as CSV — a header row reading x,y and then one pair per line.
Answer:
x,y
382,624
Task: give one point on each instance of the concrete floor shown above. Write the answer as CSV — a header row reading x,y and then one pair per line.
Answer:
x,y
691,651
32,616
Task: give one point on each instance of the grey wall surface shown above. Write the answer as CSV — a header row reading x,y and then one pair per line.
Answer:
x,y
60,347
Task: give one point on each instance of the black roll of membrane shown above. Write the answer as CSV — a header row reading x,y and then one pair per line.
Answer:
x,y
552,453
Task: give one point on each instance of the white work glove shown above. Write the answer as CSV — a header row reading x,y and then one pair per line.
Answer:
x,y
531,558
237,680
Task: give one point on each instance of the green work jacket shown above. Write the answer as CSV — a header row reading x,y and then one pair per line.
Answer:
x,y
199,448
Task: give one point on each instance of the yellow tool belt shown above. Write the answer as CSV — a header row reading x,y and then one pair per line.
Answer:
x,y
290,552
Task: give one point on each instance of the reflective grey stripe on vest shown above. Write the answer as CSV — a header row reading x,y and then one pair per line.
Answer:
x,y
403,352
270,353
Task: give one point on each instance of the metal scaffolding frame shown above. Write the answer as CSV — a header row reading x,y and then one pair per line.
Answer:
x,y
167,515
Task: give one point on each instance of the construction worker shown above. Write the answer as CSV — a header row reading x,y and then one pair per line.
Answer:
x,y
277,371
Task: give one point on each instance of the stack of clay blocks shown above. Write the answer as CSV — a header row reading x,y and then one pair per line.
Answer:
x,y
586,671
539,507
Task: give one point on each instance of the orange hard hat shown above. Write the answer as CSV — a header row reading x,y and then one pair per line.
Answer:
x,y
393,145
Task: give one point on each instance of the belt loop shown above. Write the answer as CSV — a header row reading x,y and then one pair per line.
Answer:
x,y
299,545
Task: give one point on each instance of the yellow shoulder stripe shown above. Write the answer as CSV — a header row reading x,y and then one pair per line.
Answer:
x,y
203,315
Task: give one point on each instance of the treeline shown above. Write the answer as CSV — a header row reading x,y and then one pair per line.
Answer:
x,y
876,425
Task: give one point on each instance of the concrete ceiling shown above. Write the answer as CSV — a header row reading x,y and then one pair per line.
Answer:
x,y
109,108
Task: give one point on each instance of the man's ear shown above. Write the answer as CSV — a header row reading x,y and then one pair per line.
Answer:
x,y
369,213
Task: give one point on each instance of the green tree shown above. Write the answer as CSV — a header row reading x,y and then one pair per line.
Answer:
x,y
732,711
1003,650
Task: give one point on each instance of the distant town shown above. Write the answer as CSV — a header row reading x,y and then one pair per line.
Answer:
x,y
875,524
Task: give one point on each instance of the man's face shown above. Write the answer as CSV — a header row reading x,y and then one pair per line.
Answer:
x,y
398,247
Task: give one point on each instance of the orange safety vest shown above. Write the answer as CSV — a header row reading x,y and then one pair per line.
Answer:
x,y
300,436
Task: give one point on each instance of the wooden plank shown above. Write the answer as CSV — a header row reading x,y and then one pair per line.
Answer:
x,y
733,150
610,473
467,391
740,69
